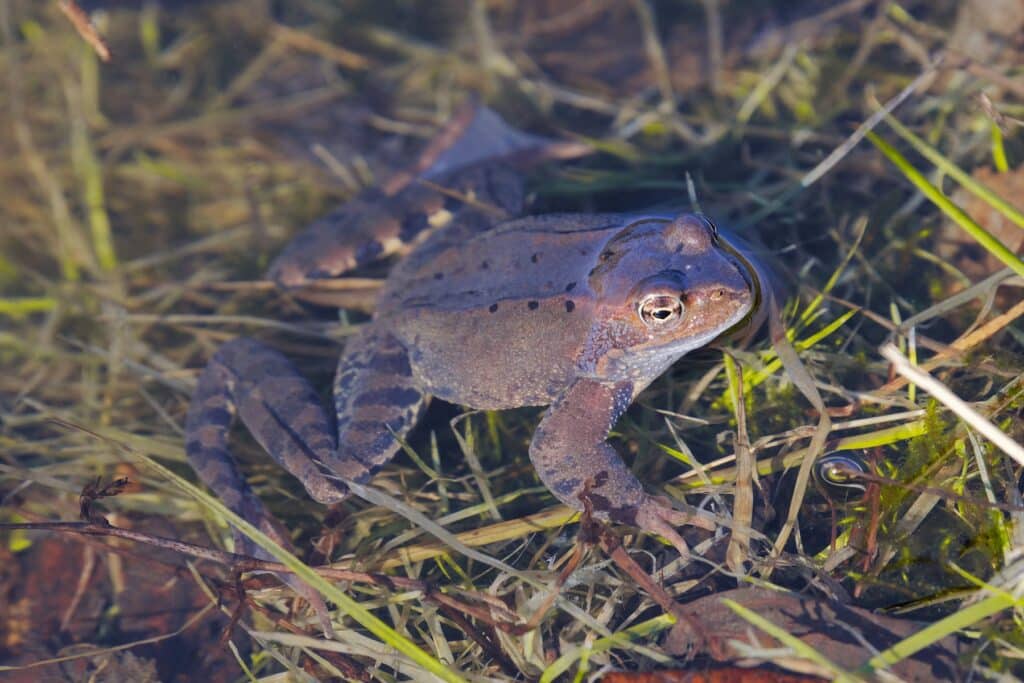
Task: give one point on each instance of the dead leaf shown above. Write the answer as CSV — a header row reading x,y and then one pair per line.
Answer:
x,y
837,631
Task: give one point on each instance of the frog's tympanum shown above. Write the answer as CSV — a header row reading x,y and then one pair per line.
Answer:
x,y
578,312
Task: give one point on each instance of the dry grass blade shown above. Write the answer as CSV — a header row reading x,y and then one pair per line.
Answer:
x,y
965,343
802,379
80,20
956,404
738,552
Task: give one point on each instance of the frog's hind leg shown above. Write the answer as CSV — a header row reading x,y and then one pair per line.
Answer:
x,y
374,225
377,402
276,404
282,411
377,399
466,173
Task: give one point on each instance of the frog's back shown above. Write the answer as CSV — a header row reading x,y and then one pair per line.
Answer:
x,y
496,319
530,258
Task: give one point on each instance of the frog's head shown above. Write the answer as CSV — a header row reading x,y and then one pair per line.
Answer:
x,y
664,288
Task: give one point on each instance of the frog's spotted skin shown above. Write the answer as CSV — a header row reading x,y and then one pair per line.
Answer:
x,y
579,312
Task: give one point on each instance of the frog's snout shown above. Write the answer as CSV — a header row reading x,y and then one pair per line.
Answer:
x,y
717,295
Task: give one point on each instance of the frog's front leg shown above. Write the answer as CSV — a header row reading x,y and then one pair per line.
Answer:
x,y
573,460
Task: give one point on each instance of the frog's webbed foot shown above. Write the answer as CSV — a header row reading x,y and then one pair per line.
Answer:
x,y
573,460
656,515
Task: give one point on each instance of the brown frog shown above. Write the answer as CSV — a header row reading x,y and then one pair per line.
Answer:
x,y
579,312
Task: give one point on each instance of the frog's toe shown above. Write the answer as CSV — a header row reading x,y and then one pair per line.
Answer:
x,y
656,515
651,521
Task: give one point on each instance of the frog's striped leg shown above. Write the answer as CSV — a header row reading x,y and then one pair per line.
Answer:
x,y
280,409
376,399
258,384
374,225
466,171
574,461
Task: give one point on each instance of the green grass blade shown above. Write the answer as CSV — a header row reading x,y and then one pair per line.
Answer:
x,y
861,229
954,212
755,377
733,391
19,307
789,640
883,437
999,150
622,638
961,619
91,174
772,465
956,173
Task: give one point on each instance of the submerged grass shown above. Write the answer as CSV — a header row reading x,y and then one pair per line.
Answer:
x,y
982,236
142,200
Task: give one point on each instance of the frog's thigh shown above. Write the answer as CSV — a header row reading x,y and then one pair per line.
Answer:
x,y
569,449
377,399
278,406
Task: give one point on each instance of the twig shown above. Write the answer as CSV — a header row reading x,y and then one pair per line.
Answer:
x,y
957,405
80,20
495,613
963,344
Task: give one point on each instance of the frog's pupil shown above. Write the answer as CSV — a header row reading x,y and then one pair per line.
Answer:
x,y
660,309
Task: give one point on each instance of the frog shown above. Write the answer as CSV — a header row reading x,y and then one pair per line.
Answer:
x,y
487,309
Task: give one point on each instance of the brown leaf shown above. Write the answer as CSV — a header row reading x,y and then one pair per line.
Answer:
x,y
837,631
726,674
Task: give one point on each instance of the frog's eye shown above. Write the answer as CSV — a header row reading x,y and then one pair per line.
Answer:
x,y
660,310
